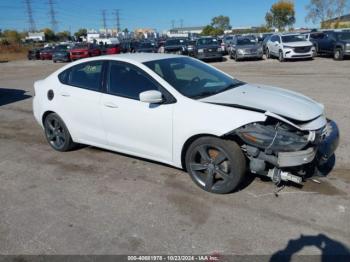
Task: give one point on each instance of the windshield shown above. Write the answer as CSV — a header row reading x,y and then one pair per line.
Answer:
x,y
175,42
192,78
207,41
245,41
344,36
81,45
292,38
61,48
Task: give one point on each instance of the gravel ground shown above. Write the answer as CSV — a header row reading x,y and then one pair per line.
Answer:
x,y
93,201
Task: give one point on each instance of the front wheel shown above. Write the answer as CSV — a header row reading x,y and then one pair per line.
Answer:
x,y
268,55
338,54
280,56
215,165
57,134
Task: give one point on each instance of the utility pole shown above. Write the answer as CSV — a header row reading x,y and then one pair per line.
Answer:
x,y
181,23
32,27
52,14
173,24
117,19
104,23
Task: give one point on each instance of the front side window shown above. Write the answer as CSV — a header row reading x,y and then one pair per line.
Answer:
x,y
192,78
86,75
128,81
344,36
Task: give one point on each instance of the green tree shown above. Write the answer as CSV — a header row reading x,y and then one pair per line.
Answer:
x,y
221,22
12,36
49,34
82,32
63,36
212,31
319,11
281,15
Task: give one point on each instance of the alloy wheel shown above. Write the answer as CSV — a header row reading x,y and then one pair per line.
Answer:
x,y
55,133
210,167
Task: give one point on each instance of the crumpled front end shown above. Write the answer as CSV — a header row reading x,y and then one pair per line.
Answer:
x,y
288,151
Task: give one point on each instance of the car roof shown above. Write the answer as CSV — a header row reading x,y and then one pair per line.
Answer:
x,y
136,57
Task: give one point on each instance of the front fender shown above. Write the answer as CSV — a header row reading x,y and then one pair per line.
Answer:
x,y
192,118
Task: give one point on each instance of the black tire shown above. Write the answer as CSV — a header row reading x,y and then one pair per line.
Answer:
x,y
280,56
338,54
57,134
236,57
215,165
268,55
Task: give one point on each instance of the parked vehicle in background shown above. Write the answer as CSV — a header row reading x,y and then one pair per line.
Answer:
x,y
146,47
333,43
182,112
61,53
289,46
34,54
113,49
46,53
264,42
84,50
191,47
129,46
208,48
243,48
176,46
226,43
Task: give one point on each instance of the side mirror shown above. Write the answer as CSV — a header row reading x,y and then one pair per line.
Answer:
x,y
151,97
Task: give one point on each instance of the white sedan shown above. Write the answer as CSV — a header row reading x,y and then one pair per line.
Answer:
x,y
183,112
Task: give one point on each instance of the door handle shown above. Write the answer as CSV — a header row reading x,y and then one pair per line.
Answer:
x,y
110,105
65,94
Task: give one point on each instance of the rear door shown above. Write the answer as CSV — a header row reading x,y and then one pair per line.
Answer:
x,y
80,95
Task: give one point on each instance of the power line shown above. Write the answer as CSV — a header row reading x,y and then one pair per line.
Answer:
x,y
104,20
32,27
117,19
52,15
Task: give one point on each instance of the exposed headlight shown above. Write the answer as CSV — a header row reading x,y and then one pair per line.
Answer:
x,y
240,51
275,138
200,50
219,49
348,44
260,49
287,46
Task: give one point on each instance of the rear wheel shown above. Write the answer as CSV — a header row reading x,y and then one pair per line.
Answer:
x,y
57,134
338,54
280,56
215,165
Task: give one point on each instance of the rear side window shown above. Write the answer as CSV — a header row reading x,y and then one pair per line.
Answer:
x,y
128,81
86,75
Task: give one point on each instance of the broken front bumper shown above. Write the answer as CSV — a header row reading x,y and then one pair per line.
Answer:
x,y
321,153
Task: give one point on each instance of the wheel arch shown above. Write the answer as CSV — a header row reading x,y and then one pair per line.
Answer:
x,y
46,113
193,138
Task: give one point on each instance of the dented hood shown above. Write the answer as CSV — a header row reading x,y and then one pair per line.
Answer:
x,y
282,102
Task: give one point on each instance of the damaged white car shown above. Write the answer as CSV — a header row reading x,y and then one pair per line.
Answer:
x,y
183,112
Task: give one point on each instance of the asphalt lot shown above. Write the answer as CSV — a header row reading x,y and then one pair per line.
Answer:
x,y
92,201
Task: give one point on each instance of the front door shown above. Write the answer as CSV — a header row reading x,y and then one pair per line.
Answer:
x,y
133,126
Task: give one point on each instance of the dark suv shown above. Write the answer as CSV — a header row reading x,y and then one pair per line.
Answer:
x,y
334,43
208,48
176,46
